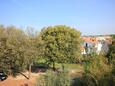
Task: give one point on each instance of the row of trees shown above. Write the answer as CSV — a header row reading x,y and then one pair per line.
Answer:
x,y
20,49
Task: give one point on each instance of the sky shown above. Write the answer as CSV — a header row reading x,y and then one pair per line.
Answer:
x,y
90,17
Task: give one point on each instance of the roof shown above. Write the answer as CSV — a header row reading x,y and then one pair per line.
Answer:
x,y
90,40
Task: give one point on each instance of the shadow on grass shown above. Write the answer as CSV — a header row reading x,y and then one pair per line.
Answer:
x,y
40,67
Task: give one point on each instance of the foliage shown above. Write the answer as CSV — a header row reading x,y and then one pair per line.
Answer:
x,y
113,36
15,48
97,72
11,50
111,52
54,79
60,44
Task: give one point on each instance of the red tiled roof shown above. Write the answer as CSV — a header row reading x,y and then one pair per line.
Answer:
x,y
90,39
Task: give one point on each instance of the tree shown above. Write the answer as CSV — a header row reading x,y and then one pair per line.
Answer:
x,y
111,52
61,44
12,42
17,50
31,48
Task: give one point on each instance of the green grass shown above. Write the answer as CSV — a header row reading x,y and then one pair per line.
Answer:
x,y
70,66
74,66
67,65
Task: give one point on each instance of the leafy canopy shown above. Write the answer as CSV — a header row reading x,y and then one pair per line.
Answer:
x,y
61,44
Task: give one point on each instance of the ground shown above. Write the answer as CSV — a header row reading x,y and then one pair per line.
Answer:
x,y
20,80
74,70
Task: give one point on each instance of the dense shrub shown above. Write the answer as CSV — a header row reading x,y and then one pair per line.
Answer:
x,y
54,79
97,72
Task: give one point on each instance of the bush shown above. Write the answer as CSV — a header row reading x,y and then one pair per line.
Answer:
x,y
54,79
97,72
97,66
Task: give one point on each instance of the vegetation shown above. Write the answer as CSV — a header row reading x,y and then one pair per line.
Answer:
x,y
54,79
19,49
111,52
55,45
97,72
15,46
12,43
61,44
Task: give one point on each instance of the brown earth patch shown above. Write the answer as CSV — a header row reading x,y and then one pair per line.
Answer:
x,y
20,80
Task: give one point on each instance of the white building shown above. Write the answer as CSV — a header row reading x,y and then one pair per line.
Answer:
x,y
98,47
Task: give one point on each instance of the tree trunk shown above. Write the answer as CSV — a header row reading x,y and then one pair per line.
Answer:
x,y
10,70
53,66
63,68
30,70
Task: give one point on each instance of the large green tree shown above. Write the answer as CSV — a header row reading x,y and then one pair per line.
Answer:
x,y
60,44
18,49
12,50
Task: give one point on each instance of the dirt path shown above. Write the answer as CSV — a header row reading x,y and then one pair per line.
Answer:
x,y
20,81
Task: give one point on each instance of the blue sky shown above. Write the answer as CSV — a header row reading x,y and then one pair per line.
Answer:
x,y
88,16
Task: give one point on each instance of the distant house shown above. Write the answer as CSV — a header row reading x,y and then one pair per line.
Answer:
x,y
95,43
105,42
98,47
